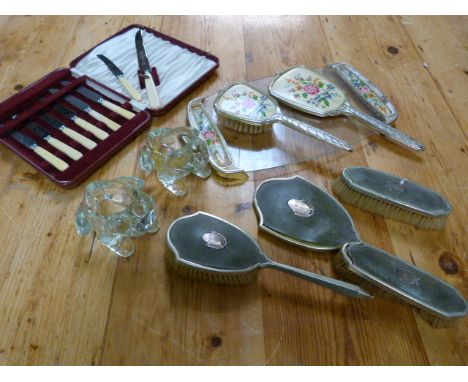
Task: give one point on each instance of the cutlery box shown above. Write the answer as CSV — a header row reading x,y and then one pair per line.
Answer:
x,y
176,66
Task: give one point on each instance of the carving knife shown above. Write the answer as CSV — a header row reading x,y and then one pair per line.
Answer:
x,y
63,147
95,97
57,124
43,153
153,97
96,131
83,106
120,76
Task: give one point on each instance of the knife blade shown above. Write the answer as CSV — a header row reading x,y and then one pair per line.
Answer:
x,y
83,106
153,97
95,97
59,145
43,153
96,131
59,125
120,76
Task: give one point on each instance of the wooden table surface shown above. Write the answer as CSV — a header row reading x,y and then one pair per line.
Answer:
x,y
65,299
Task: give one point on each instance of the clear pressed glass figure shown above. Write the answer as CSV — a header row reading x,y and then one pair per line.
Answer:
x,y
175,153
117,210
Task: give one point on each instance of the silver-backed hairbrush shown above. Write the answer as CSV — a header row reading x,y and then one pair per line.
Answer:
x,y
393,197
209,248
302,214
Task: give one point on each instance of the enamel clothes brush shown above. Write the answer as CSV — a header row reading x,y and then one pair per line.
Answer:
x,y
297,211
220,157
247,110
209,248
392,197
370,94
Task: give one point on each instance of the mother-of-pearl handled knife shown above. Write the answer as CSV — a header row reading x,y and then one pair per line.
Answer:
x,y
120,76
56,124
63,147
95,97
43,153
153,97
96,131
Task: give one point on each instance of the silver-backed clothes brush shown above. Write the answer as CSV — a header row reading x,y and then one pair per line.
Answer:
x,y
246,109
300,213
393,197
304,89
209,248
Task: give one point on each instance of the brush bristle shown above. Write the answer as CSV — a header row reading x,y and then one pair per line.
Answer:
x,y
214,277
340,267
379,207
243,127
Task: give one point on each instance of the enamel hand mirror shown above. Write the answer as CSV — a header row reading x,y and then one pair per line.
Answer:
x,y
304,89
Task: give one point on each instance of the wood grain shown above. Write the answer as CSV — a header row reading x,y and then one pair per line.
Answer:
x,y
66,300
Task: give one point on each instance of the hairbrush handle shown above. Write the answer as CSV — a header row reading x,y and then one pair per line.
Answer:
x,y
313,132
342,287
384,129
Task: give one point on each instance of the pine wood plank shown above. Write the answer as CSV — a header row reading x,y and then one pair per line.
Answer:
x,y
424,113
341,339
65,299
185,321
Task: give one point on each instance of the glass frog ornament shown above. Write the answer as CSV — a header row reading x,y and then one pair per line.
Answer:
x,y
175,153
117,210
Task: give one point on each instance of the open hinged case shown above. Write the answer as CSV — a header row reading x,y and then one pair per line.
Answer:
x,y
176,66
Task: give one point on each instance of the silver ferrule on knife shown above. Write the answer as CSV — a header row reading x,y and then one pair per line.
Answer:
x,y
54,142
30,143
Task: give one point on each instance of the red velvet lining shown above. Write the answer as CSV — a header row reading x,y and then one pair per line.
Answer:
x,y
26,105
154,74
29,104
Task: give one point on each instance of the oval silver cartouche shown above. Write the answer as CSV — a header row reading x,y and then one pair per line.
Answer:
x,y
214,240
300,208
